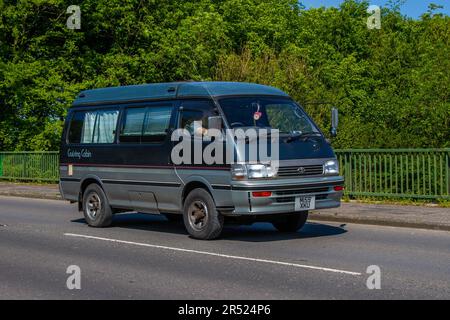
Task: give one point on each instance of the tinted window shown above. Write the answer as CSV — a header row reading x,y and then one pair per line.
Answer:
x,y
133,123
93,126
192,120
194,115
76,127
288,118
146,124
156,123
281,114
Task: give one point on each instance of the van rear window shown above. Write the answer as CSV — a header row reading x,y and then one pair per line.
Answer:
x,y
76,127
93,126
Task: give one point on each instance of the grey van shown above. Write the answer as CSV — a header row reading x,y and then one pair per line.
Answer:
x,y
116,156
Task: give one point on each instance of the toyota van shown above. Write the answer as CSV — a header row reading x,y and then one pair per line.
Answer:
x,y
117,156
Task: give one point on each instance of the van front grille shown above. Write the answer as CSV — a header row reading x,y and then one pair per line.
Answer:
x,y
299,171
302,191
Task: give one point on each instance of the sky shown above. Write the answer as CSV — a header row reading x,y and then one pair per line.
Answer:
x,y
411,8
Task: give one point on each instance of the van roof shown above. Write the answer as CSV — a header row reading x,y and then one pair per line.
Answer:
x,y
172,90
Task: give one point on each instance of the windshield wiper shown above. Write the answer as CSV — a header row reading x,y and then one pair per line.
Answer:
x,y
298,135
293,136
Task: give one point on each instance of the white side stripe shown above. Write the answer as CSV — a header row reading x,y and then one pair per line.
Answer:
x,y
214,254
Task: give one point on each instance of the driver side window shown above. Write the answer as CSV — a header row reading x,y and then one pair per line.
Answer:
x,y
194,115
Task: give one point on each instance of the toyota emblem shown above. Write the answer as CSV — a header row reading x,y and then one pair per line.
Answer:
x,y
301,170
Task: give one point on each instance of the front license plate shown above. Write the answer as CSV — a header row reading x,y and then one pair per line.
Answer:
x,y
305,203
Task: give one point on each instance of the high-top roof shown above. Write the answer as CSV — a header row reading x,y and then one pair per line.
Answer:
x,y
172,90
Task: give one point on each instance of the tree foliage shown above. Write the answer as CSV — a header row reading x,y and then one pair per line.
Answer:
x,y
390,85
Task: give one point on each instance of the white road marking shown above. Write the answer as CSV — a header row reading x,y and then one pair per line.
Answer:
x,y
215,254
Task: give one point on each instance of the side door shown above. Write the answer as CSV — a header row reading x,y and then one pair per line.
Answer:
x,y
146,176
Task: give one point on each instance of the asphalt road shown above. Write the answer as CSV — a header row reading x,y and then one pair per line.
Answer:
x,y
147,257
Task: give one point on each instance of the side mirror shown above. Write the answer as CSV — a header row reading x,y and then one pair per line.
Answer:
x,y
215,122
334,122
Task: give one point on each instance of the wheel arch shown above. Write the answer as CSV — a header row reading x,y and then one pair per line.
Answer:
x,y
88,180
194,183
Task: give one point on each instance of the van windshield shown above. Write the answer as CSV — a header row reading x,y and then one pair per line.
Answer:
x,y
271,113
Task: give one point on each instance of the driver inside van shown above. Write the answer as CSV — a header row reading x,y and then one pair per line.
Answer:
x,y
196,127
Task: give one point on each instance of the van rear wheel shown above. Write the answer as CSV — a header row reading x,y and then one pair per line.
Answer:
x,y
96,209
200,216
292,222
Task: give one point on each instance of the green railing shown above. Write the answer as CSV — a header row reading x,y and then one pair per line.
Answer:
x,y
396,173
29,166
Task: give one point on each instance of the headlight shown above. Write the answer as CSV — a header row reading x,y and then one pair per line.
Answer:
x,y
331,167
252,171
238,171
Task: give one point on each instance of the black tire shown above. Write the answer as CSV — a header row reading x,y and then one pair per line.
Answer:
x,y
292,222
173,217
199,202
96,209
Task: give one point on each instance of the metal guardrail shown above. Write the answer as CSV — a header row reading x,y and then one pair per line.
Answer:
x,y
394,173
29,166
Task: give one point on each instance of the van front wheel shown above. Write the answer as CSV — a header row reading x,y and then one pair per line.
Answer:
x,y
201,218
292,222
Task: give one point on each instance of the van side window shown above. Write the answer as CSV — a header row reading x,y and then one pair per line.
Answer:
x,y
132,127
145,124
194,115
191,118
76,127
156,123
88,127
105,126
93,126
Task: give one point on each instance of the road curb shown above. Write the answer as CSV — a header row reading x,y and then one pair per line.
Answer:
x,y
32,195
378,222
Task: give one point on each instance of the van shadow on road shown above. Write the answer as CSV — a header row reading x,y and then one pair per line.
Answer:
x,y
258,232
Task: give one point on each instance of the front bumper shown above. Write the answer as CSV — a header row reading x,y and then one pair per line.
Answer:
x,y
284,192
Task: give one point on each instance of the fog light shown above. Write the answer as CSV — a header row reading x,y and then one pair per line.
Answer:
x,y
261,194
